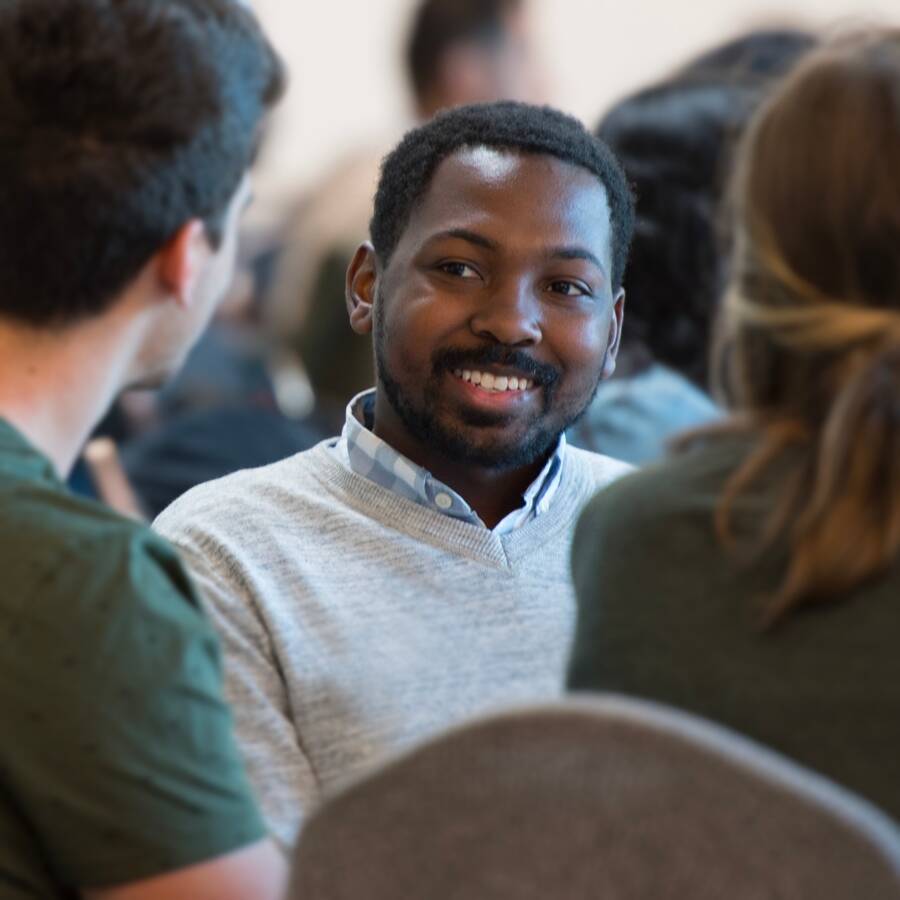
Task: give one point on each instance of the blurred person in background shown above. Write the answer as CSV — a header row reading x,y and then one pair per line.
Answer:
x,y
457,52
754,577
675,141
471,51
416,570
763,53
128,130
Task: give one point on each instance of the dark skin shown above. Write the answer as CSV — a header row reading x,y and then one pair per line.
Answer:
x,y
505,258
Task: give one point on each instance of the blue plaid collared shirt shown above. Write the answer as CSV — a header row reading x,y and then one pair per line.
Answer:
x,y
372,458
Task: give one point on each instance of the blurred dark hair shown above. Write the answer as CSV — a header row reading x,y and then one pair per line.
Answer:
x,y
762,54
439,25
505,125
120,120
674,141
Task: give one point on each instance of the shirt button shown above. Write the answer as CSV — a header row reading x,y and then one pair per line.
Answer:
x,y
444,501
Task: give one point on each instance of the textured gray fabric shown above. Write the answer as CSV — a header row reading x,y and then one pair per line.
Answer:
x,y
604,799
356,622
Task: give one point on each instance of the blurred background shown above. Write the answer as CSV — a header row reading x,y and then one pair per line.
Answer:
x,y
349,87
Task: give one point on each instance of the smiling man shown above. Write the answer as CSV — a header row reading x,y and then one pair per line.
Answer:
x,y
415,571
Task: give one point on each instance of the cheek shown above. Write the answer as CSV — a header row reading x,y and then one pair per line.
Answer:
x,y
580,344
417,325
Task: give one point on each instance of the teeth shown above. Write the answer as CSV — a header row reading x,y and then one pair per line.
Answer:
x,y
498,383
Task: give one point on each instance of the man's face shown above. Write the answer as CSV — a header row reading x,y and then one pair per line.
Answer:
x,y
495,318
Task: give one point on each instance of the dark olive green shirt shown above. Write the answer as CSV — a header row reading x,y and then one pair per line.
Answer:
x,y
117,761
665,614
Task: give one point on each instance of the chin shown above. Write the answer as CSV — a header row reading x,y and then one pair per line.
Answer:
x,y
478,447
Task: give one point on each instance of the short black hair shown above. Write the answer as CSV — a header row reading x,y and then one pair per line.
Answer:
x,y
439,25
506,125
120,121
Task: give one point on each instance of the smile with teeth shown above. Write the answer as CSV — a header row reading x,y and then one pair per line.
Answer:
x,y
496,383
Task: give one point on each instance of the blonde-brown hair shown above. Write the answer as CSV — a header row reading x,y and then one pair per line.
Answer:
x,y
808,354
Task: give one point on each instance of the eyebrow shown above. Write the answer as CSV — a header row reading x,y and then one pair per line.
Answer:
x,y
463,234
576,253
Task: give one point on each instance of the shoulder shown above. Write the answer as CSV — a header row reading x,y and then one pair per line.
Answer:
x,y
236,525
286,487
684,488
599,470
77,554
92,600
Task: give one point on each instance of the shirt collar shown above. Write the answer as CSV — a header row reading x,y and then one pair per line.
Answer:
x,y
19,458
376,460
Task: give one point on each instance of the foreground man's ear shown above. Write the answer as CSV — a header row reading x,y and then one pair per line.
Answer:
x,y
180,261
615,334
360,289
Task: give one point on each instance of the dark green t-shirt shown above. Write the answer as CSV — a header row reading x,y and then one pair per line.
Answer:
x,y
117,760
665,614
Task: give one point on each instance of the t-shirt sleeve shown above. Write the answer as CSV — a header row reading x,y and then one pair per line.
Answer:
x,y
124,765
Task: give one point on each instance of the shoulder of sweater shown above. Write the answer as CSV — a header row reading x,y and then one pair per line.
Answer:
x,y
250,494
598,469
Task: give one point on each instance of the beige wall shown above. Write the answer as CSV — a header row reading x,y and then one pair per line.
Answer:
x,y
348,88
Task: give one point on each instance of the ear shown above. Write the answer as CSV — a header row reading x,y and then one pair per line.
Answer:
x,y
362,278
615,334
181,261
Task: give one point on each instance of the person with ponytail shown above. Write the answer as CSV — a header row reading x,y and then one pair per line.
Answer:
x,y
754,577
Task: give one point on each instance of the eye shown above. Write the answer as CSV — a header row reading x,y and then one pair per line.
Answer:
x,y
458,270
569,289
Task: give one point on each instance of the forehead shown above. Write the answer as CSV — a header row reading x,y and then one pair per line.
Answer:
x,y
519,200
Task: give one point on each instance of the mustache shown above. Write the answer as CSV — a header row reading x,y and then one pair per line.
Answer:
x,y
495,355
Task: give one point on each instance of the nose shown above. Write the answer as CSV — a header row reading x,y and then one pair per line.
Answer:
x,y
510,314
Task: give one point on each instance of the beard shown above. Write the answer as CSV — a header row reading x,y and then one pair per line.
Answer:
x,y
455,443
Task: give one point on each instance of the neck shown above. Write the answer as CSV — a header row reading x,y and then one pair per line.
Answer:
x,y
56,385
492,493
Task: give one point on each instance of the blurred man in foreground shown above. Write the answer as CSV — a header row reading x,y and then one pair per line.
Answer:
x,y
128,130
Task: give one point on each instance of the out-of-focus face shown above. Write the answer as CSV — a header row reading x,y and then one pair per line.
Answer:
x,y
181,327
506,69
495,318
515,66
